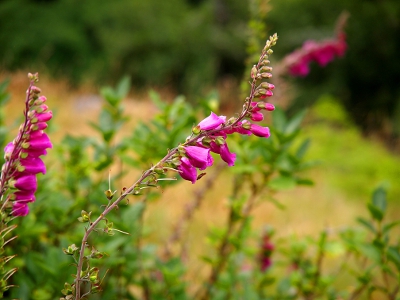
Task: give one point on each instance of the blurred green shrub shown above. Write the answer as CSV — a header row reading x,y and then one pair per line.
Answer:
x,y
366,78
156,42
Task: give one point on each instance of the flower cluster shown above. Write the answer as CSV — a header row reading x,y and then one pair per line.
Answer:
x,y
22,155
298,62
210,135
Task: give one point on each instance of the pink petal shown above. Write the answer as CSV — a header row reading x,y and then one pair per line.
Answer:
x,y
211,122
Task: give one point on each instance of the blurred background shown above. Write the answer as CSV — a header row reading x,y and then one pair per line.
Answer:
x,y
202,49
191,45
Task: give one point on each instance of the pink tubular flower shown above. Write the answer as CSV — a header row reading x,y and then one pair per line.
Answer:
x,y
260,131
211,122
187,171
39,142
23,196
41,117
257,116
199,157
31,165
20,209
26,182
322,53
226,155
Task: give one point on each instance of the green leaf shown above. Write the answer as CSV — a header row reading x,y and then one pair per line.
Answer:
x,y
394,256
294,123
389,226
379,199
366,224
282,183
303,149
375,212
123,87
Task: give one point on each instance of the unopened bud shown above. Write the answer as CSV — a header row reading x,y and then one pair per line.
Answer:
x,y
40,100
267,85
266,69
159,170
254,72
33,77
246,125
270,51
266,75
220,140
35,90
196,130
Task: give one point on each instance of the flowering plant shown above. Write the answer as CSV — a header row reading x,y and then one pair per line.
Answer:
x,y
18,182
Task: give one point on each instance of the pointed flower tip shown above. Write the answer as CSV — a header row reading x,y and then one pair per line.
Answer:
x,y
211,122
187,171
260,131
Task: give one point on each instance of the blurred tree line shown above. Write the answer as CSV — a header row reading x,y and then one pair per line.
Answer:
x,y
189,43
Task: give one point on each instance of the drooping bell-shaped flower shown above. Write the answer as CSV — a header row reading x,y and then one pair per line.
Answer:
x,y
23,196
211,122
226,155
199,157
26,182
187,171
260,131
38,142
31,165
20,209
257,116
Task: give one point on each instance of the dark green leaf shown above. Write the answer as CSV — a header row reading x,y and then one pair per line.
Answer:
x,y
366,224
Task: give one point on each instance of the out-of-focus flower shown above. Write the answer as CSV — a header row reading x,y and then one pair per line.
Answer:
x,y
298,62
266,249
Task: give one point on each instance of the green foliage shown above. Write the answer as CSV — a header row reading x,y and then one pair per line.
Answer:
x,y
348,160
154,42
370,100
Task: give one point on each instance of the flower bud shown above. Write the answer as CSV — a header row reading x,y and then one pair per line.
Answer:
x,y
196,129
266,75
254,72
40,100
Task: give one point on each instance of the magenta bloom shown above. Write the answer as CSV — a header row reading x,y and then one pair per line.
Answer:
x,y
20,209
32,165
22,156
227,156
27,183
211,122
41,117
199,157
260,131
23,196
257,116
39,142
187,171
